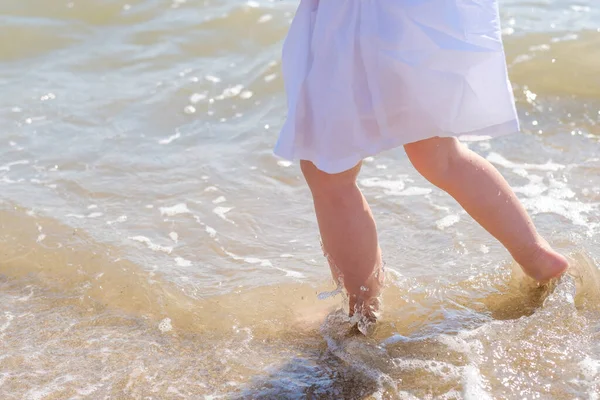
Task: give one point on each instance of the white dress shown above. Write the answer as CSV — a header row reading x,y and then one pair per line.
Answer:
x,y
364,76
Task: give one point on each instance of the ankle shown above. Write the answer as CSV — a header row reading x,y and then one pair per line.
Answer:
x,y
540,262
528,254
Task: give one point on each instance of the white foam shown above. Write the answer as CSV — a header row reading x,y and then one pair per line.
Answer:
x,y
535,187
222,211
186,71
590,368
333,293
270,77
197,97
485,145
292,274
7,167
231,91
170,139
95,215
28,296
253,260
496,158
150,245
462,343
88,390
441,369
122,218
180,208
219,200
182,262
473,384
8,316
174,390
212,78
165,325
556,198
246,94
265,18
447,221
394,187
29,121
406,396
174,236
571,210
394,339
211,231
391,187
38,394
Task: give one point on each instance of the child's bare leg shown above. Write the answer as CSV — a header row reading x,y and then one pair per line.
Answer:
x,y
348,233
488,198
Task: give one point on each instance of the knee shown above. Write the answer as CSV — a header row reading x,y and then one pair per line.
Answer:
x,y
435,159
329,187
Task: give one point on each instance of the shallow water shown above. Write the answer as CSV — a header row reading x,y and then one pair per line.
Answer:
x,y
152,247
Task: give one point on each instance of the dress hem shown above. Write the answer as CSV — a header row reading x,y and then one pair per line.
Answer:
x,y
346,163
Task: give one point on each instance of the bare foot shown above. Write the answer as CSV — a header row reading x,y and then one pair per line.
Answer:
x,y
365,302
542,263
365,313
368,308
